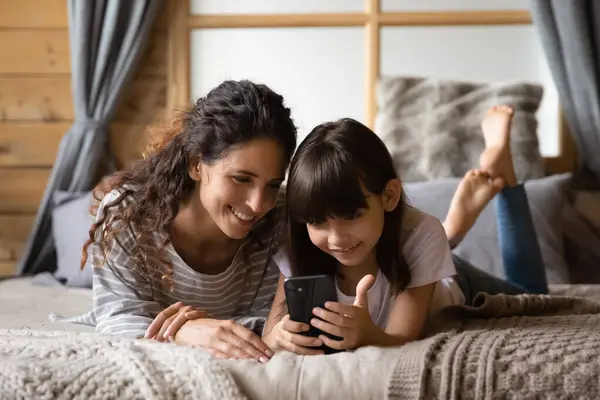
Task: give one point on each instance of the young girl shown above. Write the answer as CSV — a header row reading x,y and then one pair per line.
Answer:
x,y
190,231
391,262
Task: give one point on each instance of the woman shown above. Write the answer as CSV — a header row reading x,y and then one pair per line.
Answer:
x,y
193,226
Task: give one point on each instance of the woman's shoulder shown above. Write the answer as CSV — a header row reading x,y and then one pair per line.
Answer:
x,y
120,197
113,205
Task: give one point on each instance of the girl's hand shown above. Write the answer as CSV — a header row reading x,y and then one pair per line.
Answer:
x,y
223,339
352,323
170,320
285,335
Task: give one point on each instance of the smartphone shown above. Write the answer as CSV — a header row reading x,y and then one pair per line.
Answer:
x,y
302,294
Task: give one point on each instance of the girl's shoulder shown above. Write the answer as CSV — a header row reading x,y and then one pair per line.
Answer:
x,y
425,248
416,223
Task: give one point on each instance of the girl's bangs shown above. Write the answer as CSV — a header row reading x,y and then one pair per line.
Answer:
x,y
324,188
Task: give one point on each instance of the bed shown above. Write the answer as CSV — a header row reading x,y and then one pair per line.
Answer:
x,y
29,306
529,346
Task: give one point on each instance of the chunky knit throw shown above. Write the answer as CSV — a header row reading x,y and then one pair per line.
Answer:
x,y
525,347
534,347
61,365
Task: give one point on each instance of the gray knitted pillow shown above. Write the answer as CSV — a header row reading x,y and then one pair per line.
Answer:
x,y
432,127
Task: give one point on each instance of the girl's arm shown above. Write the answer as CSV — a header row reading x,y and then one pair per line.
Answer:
x,y
278,309
428,255
407,318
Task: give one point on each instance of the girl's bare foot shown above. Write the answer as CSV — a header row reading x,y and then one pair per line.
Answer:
x,y
496,159
473,193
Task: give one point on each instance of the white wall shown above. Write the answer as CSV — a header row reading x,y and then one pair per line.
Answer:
x,y
320,71
275,6
442,5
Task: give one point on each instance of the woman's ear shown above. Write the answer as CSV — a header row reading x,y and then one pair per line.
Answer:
x,y
392,194
195,170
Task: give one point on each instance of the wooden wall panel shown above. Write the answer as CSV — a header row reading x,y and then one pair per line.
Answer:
x,y
30,144
154,60
144,102
39,51
7,268
24,14
128,142
35,144
36,98
46,51
14,230
36,108
48,98
22,189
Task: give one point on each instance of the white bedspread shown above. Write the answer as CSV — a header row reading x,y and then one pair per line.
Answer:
x,y
34,364
25,306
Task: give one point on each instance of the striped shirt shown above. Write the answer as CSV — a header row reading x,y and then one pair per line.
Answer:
x,y
125,301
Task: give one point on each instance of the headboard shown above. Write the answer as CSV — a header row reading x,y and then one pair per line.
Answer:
x,y
372,18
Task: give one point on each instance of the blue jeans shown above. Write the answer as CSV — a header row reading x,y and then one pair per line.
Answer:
x,y
519,249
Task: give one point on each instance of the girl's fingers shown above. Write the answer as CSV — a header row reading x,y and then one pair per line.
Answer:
x,y
331,317
301,340
327,327
334,344
293,326
294,348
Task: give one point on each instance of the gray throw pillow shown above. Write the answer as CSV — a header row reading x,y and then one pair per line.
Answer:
x,y
71,222
582,247
547,196
432,127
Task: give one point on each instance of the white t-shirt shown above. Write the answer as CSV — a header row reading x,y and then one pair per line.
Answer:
x,y
427,254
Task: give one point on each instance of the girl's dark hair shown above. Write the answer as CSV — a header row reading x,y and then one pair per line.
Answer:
x,y
325,181
231,115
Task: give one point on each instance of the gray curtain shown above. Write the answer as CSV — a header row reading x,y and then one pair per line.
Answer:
x,y
107,38
570,35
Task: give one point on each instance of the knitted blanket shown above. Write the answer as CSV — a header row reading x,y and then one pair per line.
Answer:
x,y
48,365
507,347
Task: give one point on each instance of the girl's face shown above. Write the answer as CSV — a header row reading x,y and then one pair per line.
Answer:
x,y
352,241
239,189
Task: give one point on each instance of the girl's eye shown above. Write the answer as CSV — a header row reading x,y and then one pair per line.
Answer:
x,y
275,186
357,215
241,179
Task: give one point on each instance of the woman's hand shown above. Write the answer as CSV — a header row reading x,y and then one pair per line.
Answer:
x,y
285,335
352,323
223,339
170,320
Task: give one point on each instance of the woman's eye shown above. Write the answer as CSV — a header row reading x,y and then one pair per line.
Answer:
x,y
241,179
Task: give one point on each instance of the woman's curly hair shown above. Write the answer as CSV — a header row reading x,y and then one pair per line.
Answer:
x,y
151,191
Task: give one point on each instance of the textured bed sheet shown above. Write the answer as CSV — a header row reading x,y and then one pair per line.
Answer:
x,y
25,306
28,306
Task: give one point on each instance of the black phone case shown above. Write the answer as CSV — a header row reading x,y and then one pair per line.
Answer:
x,y
304,293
